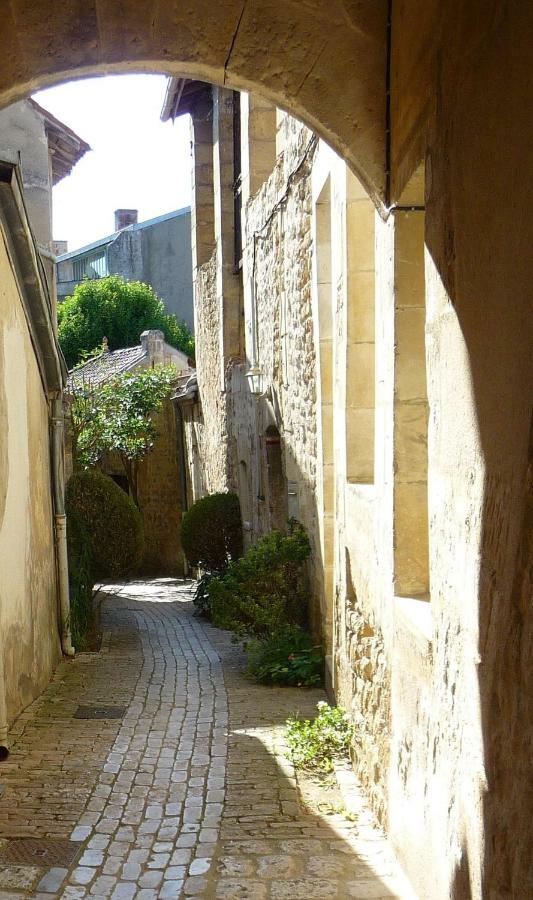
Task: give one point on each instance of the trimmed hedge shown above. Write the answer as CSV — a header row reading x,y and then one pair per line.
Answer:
x,y
211,532
264,590
112,523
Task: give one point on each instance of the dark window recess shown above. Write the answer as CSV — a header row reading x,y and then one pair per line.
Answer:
x,y
122,482
237,182
277,485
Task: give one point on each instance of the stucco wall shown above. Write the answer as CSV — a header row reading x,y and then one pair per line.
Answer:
x,y
29,638
22,133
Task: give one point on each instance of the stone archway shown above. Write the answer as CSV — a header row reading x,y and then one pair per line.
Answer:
x,y
294,53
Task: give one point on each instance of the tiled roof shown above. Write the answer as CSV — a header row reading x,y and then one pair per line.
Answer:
x,y
103,367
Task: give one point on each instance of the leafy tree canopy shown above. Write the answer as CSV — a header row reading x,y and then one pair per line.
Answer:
x,y
119,310
116,416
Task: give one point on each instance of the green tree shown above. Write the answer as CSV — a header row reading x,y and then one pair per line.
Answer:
x,y
117,416
118,310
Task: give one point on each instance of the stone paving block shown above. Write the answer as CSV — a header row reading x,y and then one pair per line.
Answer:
x,y
168,803
236,866
242,889
82,875
53,880
303,889
195,886
171,889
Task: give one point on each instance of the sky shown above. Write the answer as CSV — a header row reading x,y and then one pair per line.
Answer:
x,y
136,161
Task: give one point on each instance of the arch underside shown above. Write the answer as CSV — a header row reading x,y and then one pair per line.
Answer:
x,y
324,63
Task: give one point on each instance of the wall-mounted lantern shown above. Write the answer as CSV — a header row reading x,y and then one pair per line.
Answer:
x,y
255,380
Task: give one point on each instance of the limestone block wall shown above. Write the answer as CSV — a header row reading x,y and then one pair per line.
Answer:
x,y
277,263
29,638
206,430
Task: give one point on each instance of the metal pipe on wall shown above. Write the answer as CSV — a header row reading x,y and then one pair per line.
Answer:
x,y
60,522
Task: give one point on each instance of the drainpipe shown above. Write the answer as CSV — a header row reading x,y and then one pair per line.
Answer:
x,y
58,481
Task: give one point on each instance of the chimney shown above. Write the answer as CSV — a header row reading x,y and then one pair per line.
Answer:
x,y
152,343
59,247
125,217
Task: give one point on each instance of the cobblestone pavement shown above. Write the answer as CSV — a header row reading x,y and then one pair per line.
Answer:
x,y
190,793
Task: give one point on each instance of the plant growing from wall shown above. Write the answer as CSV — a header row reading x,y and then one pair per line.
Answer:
x,y
287,657
266,589
119,309
211,532
316,744
117,417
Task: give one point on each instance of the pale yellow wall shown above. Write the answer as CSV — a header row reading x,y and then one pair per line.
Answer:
x,y
28,598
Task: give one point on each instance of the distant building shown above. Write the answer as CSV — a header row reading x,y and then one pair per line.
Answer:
x,y
157,252
161,472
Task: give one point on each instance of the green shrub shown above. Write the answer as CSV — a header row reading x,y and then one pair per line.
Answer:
x,y
288,656
200,598
111,520
119,310
265,589
316,744
81,582
211,532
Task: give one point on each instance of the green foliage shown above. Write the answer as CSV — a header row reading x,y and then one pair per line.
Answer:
x,y
211,532
201,595
116,416
317,743
265,589
81,582
119,310
287,657
111,521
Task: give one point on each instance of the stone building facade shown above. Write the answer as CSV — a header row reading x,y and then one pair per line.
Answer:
x,y
319,348
159,480
156,252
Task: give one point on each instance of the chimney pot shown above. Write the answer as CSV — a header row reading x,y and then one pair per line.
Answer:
x,y
125,217
152,342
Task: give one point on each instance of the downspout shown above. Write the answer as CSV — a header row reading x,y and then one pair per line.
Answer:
x,y
60,520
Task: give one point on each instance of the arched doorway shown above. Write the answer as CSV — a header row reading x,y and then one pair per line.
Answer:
x,y
462,100
311,48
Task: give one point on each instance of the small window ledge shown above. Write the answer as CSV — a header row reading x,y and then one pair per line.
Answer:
x,y
414,614
366,489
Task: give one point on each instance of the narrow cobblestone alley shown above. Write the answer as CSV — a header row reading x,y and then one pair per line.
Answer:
x,y
188,792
